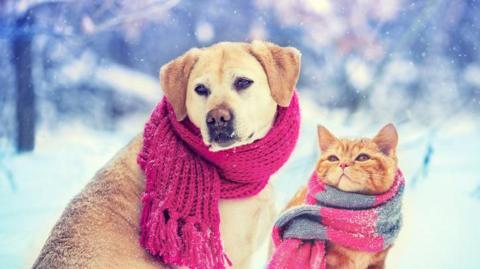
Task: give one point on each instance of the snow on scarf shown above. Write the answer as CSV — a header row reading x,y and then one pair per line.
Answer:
x,y
357,221
184,182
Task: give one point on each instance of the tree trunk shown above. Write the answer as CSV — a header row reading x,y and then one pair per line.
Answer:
x,y
25,96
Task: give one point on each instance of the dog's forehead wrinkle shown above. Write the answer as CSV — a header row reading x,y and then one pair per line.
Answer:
x,y
224,64
202,79
221,66
220,98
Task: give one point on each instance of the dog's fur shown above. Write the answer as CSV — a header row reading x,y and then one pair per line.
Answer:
x,y
100,227
273,69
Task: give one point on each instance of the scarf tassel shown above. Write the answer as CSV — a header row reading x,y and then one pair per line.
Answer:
x,y
297,254
179,241
203,247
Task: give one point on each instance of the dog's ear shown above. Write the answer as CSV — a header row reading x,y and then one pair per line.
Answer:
x,y
282,66
174,80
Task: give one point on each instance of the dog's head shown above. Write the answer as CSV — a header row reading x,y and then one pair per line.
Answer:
x,y
230,91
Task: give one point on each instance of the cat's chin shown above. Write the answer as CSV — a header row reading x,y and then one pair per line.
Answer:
x,y
344,176
346,179
345,183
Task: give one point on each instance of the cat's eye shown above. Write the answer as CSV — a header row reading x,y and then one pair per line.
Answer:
x,y
362,157
242,83
332,158
201,89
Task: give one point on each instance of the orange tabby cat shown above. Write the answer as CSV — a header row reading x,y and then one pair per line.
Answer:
x,y
365,166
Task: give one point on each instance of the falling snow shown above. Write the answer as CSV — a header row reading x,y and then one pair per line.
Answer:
x,y
364,63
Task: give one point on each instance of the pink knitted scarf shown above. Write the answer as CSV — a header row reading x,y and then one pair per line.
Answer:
x,y
184,182
357,221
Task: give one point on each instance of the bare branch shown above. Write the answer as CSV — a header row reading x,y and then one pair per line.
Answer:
x,y
153,8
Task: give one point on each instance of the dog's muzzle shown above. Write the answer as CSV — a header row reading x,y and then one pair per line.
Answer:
x,y
220,126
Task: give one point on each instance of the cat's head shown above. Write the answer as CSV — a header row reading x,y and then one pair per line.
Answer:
x,y
358,165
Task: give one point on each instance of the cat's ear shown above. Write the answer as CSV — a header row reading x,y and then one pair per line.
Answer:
x,y
325,138
387,139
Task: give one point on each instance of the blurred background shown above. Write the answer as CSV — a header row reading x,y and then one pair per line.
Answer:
x,y
79,78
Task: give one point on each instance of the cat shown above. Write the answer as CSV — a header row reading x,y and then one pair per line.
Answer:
x,y
365,166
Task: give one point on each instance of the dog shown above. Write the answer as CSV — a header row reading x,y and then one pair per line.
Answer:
x,y
231,92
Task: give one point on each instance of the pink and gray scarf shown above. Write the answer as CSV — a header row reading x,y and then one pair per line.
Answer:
x,y
357,221
184,182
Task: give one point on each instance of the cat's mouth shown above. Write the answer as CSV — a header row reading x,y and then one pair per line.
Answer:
x,y
344,177
346,183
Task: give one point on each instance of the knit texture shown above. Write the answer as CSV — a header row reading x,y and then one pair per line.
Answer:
x,y
357,221
184,182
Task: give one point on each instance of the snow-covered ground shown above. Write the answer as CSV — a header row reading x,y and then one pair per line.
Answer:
x,y
441,206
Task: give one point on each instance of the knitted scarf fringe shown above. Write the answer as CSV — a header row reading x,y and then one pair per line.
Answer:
x,y
180,240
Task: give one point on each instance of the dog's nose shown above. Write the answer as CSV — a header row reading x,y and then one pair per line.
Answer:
x,y
220,125
219,117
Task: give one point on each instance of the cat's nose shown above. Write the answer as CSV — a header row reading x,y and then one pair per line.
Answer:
x,y
343,165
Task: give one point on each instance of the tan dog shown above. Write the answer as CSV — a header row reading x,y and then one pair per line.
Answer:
x,y
236,84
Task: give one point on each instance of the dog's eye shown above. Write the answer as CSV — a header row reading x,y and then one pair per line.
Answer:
x,y
362,157
332,158
202,90
242,83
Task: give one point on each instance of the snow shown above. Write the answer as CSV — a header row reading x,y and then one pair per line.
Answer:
x,y
120,78
204,32
440,212
472,74
358,73
64,160
129,81
364,64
